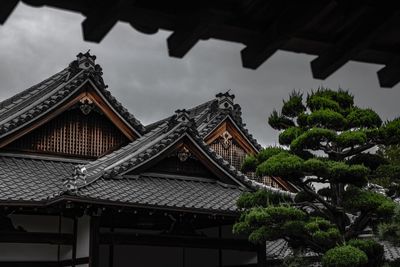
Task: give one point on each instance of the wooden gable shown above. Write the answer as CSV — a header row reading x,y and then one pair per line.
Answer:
x,y
84,126
186,158
228,141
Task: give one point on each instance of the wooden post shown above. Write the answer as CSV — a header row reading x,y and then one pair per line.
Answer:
x,y
94,246
75,241
262,256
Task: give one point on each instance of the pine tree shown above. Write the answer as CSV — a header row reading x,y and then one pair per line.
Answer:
x,y
325,139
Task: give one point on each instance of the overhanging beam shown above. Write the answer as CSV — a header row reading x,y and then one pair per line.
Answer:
x,y
101,20
389,75
6,8
36,238
182,40
175,241
365,27
279,33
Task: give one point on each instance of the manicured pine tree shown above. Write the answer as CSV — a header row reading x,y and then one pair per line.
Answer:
x,y
325,139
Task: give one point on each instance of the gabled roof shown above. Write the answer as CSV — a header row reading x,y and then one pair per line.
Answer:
x,y
149,146
33,103
209,115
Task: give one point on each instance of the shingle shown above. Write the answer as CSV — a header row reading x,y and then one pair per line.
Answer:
x,y
161,191
30,179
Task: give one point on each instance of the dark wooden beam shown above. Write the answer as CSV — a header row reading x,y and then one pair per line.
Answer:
x,y
279,32
36,238
75,241
261,256
182,40
389,75
6,8
366,24
120,238
63,263
101,20
94,244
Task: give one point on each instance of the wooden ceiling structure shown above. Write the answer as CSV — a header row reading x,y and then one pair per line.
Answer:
x,y
336,31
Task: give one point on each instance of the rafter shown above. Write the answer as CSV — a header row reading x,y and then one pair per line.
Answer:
x,y
6,8
101,20
365,25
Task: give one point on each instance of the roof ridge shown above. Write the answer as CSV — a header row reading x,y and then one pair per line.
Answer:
x,y
23,108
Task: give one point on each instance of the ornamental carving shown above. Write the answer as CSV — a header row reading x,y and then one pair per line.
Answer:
x,y
183,154
226,140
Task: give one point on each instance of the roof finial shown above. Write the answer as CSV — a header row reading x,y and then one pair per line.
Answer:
x,y
225,100
86,60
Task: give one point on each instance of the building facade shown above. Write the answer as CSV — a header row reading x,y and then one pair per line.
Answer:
x,y
84,183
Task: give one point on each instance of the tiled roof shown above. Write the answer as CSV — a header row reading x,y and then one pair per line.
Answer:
x,y
153,144
165,191
27,179
279,249
209,115
38,100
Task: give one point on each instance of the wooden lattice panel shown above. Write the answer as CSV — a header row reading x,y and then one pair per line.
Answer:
x,y
73,133
231,152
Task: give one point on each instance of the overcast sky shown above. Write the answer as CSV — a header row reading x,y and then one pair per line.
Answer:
x,y
35,43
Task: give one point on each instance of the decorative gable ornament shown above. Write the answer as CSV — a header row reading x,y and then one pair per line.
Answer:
x,y
78,178
226,140
86,106
182,115
225,100
183,154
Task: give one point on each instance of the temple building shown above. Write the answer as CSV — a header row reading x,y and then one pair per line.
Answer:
x,y
84,183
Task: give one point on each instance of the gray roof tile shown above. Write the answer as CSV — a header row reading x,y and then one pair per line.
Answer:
x,y
161,191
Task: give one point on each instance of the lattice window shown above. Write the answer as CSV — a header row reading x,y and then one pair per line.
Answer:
x,y
267,180
227,148
76,132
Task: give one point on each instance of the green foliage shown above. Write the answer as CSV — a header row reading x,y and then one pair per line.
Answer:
x,y
390,230
356,199
344,256
284,165
325,118
261,198
328,137
287,136
390,153
279,122
322,232
391,132
268,152
316,167
351,138
312,139
371,161
363,118
295,262
343,99
302,120
318,102
267,223
249,164
375,251
341,172
294,106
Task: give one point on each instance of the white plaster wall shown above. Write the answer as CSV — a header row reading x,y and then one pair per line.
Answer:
x,y
83,238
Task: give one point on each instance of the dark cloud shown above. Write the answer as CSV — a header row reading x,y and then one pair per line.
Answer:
x,y
37,42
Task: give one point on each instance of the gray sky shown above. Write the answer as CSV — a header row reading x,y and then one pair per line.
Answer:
x,y
37,42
